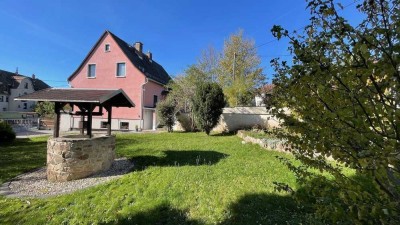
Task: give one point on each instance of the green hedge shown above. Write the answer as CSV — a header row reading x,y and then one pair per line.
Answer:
x,y
6,132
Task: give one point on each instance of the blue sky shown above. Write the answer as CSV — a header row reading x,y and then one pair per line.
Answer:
x,y
50,38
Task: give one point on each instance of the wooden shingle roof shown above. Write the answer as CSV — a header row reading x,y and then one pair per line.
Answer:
x,y
114,97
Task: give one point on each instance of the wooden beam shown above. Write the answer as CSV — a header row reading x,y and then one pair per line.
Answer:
x,y
82,129
89,121
109,110
79,113
57,108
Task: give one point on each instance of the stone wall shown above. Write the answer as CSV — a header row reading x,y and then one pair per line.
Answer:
x,y
75,157
239,118
271,144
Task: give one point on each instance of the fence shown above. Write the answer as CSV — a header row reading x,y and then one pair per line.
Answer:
x,y
22,124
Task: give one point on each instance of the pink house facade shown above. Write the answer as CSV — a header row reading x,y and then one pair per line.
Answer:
x,y
112,64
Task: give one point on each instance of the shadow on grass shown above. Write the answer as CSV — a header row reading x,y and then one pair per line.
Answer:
x,y
20,156
179,158
250,209
162,215
264,209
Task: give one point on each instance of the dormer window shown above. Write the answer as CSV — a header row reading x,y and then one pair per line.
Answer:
x,y
107,47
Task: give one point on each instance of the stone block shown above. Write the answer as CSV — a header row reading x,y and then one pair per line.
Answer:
x,y
75,158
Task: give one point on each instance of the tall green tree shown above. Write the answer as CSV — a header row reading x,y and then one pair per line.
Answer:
x,y
240,73
342,89
183,89
208,103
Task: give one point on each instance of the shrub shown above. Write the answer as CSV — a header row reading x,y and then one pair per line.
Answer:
x,y
166,110
45,109
6,132
186,121
208,103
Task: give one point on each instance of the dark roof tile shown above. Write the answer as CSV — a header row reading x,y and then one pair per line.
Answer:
x,y
150,68
11,80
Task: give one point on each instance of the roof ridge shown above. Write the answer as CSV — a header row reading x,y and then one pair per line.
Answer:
x,y
152,70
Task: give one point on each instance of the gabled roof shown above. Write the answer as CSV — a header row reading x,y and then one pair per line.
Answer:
x,y
150,68
12,80
116,97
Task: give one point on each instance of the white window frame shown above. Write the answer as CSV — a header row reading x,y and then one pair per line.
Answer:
x,y
116,69
109,47
105,123
120,125
88,70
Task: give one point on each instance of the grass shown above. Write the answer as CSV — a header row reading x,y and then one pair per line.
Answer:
x,y
21,156
180,178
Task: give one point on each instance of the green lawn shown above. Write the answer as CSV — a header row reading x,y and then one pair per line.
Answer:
x,y
180,178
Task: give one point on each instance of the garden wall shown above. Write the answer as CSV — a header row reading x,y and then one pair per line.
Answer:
x,y
238,118
75,157
233,119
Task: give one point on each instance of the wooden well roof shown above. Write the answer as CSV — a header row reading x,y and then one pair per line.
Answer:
x,y
113,97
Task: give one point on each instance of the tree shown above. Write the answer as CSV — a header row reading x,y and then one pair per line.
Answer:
x,y
208,102
239,70
45,109
208,63
166,110
342,89
183,88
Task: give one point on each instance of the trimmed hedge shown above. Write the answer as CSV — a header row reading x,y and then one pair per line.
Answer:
x,y
6,132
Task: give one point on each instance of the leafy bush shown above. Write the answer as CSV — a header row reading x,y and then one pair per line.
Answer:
x,y
186,121
45,109
342,89
6,132
166,110
208,103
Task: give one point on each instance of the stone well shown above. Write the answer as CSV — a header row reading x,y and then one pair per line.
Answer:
x,y
75,157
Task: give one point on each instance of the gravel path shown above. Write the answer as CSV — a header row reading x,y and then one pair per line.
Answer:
x,y
35,184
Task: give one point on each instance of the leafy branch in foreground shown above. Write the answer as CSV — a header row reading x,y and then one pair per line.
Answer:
x,y
343,93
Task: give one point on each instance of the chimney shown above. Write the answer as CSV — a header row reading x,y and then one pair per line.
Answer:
x,y
33,76
149,55
139,46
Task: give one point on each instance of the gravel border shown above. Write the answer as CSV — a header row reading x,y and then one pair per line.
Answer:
x,y
35,184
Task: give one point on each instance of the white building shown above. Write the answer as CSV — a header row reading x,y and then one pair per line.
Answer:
x,y
13,85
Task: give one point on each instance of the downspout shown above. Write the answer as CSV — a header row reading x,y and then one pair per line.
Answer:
x,y
141,104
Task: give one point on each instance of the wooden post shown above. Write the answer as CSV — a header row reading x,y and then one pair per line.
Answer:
x,y
89,121
82,130
56,131
82,122
109,110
